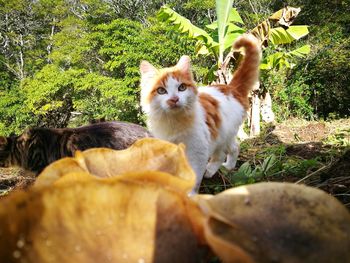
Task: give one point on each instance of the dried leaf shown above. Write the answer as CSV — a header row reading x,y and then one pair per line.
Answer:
x,y
277,222
85,219
147,154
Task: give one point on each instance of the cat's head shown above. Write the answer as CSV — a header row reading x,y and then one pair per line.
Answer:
x,y
5,151
31,149
168,90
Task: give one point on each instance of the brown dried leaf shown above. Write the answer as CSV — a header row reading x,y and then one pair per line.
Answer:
x,y
286,15
276,222
147,154
81,218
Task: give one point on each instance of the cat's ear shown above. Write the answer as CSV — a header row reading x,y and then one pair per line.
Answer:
x,y
184,64
147,68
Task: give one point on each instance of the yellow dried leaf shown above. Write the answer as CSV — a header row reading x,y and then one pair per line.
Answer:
x,y
100,220
147,154
58,169
277,222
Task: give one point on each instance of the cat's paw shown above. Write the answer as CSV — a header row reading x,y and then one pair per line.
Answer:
x,y
209,174
192,193
229,165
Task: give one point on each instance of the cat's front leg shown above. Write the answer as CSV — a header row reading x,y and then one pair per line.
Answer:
x,y
232,155
214,164
198,155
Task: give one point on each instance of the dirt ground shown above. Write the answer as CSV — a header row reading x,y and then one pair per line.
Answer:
x,y
328,143
14,178
319,153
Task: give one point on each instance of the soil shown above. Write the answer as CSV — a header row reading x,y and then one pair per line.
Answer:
x,y
307,150
312,132
14,178
336,179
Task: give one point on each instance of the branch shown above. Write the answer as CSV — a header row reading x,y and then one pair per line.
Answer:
x,y
11,69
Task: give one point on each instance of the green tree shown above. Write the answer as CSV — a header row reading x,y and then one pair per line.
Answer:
x,y
78,61
122,44
95,72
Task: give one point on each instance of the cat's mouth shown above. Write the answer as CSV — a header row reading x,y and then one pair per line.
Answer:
x,y
175,106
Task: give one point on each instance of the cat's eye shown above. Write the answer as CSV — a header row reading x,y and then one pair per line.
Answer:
x,y
182,87
161,91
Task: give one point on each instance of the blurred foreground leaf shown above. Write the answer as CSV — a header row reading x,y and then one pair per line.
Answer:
x,y
132,206
147,154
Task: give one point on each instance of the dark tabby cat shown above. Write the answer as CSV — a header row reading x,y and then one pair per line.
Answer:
x,y
37,147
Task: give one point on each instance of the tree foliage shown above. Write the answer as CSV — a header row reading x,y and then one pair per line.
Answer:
x,y
65,62
85,67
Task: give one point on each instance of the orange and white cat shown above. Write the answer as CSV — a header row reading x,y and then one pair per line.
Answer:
x,y
205,119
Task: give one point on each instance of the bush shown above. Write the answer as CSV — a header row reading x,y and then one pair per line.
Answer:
x,y
325,74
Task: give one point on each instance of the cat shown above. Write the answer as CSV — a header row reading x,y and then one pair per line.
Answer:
x,y
36,148
205,119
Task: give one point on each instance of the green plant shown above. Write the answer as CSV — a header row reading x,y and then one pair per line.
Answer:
x,y
340,138
247,175
298,167
219,35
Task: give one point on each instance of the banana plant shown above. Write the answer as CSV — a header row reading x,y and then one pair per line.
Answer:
x,y
219,36
280,59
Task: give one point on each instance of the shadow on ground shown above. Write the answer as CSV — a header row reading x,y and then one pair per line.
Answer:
x,y
315,154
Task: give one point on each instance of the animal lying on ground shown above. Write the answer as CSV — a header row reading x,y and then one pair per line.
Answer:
x,y
205,119
34,149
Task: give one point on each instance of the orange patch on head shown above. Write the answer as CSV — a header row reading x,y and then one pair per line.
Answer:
x,y
213,118
164,74
160,81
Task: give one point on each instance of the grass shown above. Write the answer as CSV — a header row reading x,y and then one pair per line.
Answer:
x,y
294,151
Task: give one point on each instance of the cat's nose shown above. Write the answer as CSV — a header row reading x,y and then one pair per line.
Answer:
x,y
172,101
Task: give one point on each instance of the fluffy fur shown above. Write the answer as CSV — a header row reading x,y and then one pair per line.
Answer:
x,y
205,119
38,147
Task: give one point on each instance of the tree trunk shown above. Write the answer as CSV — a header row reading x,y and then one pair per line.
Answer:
x,y
255,112
267,114
242,135
21,58
49,46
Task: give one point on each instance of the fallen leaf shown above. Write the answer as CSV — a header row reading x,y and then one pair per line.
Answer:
x,y
147,154
276,222
85,219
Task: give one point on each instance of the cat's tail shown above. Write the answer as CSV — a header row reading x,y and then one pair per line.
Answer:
x,y
247,74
